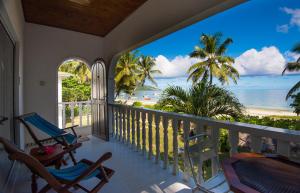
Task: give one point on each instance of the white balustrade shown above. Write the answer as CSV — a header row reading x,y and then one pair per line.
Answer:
x,y
74,113
161,125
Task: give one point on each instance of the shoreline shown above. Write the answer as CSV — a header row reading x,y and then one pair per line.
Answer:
x,y
253,111
260,111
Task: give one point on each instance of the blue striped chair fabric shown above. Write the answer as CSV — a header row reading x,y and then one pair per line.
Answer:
x,y
49,128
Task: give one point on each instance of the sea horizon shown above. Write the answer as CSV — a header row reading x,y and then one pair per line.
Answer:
x,y
253,91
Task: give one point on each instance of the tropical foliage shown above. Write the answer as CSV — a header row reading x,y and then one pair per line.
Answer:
x,y
279,122
296,103
74,90
213,61
126,73
294,67
146,65
132,71
78,86
77,68
202,99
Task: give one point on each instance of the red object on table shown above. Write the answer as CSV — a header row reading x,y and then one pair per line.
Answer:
x,y
48,155
254,173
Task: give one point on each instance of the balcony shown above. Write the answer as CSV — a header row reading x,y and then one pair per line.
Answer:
x,y
149,153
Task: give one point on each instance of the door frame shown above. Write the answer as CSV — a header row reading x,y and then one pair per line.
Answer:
x,y
16,136
7,25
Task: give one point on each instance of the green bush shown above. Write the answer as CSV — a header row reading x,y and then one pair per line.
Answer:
x,y
286,123
223,141
68,111
137,104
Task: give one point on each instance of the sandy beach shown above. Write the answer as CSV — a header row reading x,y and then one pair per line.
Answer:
x,y
268,112
248,111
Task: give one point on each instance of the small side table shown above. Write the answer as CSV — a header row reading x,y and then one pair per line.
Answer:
x,y
53,159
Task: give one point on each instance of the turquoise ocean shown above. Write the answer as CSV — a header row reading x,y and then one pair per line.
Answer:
x,y
265,91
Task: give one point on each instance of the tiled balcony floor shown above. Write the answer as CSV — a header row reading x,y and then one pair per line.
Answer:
x,y
134,173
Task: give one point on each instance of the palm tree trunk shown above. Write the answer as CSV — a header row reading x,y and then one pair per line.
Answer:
x,y
211,78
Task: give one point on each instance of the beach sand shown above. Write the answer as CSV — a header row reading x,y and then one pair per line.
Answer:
x,y
253,111
268,112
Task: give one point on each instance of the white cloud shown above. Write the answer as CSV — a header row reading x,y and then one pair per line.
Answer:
x,y
174,68
283,28
268,60
295,13
291,56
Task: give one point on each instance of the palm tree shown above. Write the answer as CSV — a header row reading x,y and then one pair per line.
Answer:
x,y
83,72
293,67
202,99
146,65
296,103
213,61
126,73
78,68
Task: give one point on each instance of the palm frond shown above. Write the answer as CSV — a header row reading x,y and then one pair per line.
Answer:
x,y
295,88
291,67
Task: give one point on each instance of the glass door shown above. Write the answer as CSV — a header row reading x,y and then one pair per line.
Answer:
x,y
6,100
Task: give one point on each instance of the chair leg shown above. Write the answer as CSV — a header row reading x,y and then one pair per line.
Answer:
x,y
72,157
33,183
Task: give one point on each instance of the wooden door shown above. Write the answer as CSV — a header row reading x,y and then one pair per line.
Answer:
x,y
6,100
99,102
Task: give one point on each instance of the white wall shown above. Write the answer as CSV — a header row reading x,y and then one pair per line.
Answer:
x,y
12,16
45,49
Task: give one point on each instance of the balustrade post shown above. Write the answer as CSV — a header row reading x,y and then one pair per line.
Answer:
x,y
117,122
72,113
157,138
124,125
186,129
120,124
215,166
150,117
166,143
175,146
63,116
80,114
143,132
138,130
112,118
128,125
200,129
133,128
88,113
233,141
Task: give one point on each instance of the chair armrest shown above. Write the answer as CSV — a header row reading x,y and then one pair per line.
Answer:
x,y
72,128
93,167
62,137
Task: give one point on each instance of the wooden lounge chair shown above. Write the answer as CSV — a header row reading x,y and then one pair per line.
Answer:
x,y
68,140
63,180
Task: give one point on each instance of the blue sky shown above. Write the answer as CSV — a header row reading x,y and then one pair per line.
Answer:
x,y
263,32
